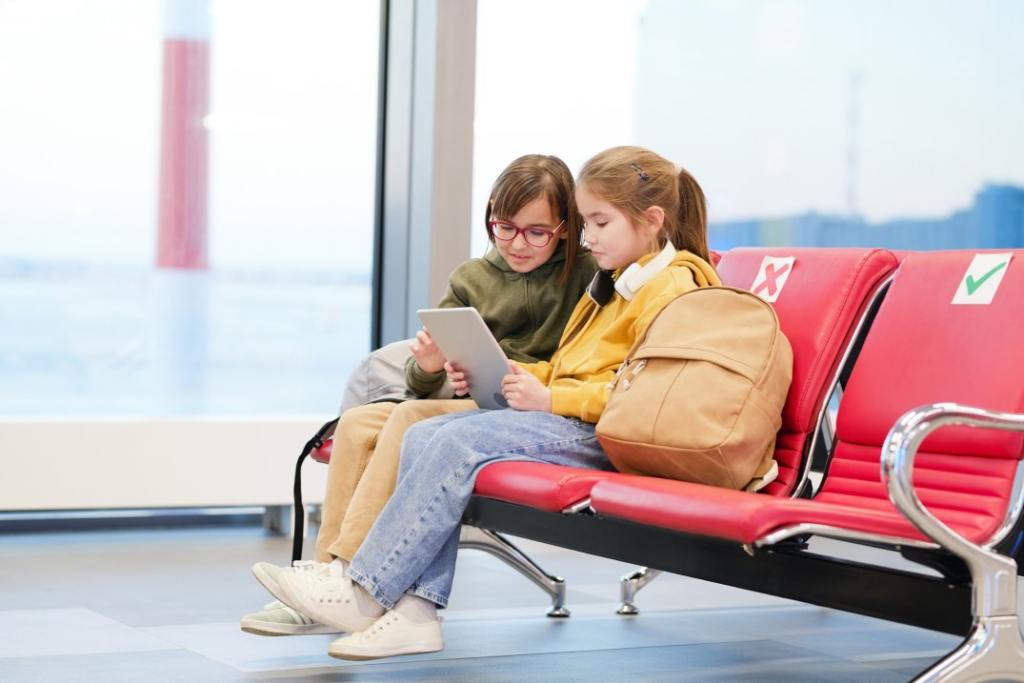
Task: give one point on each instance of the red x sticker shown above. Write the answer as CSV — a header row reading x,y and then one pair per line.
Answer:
x,y
772,277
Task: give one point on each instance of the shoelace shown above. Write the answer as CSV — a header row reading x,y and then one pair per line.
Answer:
x,y
311,565
391,619
329,589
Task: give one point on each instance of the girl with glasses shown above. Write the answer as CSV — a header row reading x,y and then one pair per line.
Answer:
x,y
647,229
525,288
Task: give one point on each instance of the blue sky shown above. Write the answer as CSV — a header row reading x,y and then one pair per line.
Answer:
x,y
751,95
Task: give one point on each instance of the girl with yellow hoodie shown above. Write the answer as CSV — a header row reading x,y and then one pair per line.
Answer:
x,y
645,222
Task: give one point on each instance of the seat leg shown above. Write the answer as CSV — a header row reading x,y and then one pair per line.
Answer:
x,y
994,648
630,585
276,520
994,651
497,545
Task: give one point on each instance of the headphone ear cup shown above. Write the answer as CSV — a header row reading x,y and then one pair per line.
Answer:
x,y
636,276
624,283
601,288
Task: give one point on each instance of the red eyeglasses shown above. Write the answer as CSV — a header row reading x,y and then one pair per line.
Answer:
x,y
535,237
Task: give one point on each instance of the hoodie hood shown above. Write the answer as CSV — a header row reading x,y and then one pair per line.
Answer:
x,y
704,274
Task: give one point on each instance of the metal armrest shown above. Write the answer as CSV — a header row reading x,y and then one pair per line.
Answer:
x,y
994,649
996,594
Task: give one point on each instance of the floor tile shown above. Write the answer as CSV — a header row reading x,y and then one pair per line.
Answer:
x,y
164,605
174,666
51,632
865,645
465,638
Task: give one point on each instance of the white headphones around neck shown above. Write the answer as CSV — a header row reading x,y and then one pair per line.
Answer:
x,y
636,276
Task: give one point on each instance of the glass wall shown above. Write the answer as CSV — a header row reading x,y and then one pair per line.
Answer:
x,y
889,124
186,225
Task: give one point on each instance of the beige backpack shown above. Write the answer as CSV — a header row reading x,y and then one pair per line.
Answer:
x,y
699,397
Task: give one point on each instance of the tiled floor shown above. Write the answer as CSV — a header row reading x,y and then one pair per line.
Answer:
x,y
164,606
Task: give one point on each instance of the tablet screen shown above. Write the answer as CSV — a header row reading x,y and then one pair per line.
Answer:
x,y
464,339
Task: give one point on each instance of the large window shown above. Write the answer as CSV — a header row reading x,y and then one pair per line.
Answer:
x,y
892,124
186,223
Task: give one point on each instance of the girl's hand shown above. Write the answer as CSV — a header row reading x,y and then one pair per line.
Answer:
x,y
523,391
457,377
426,353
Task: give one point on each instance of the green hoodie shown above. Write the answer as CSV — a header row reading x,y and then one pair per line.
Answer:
x,y
526,312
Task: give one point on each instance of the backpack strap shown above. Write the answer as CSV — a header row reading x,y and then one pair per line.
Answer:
x,y
299,512
766,473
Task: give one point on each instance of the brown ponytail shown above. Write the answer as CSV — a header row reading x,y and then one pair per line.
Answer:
x,y
692,232
634,179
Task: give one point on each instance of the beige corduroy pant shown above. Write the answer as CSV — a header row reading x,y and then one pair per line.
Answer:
x,y
364,466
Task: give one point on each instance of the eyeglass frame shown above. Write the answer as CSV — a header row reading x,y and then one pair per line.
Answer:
x,y
522,231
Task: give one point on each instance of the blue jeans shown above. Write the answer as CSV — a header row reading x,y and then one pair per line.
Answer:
x,y
413,544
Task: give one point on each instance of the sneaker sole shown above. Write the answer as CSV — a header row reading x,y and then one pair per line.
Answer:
x,y
269,628
421,649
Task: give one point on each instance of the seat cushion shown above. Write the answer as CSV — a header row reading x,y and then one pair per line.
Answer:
x,y
746,517
545,487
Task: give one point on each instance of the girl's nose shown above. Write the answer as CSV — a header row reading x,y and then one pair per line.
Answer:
x,y
519,241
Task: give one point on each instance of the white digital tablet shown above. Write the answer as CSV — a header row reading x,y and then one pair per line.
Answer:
x,y
465,340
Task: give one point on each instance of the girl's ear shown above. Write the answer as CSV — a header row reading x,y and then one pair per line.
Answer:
x,y
654,219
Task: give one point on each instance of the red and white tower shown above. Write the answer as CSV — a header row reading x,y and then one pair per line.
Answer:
x,y
182,227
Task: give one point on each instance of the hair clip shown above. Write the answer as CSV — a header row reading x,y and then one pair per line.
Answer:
x,y
643,176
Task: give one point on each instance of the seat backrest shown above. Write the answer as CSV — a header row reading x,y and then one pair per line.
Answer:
x,y
820,296
950,329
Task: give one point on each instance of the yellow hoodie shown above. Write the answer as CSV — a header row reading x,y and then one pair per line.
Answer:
x,y
597,338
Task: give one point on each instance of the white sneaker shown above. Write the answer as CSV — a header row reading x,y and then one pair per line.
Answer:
x,y
329,597
278,619
270,574
392,635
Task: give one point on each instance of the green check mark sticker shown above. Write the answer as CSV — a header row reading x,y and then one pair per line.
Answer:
x,y
972,284
983,278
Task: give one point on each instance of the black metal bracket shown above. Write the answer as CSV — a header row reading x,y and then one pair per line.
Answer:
x,y
786,570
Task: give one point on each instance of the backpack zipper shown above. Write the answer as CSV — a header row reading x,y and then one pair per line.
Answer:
x,y
627,381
